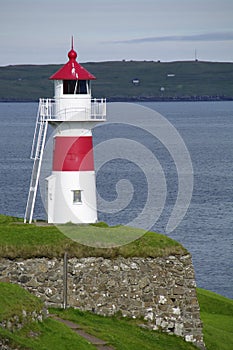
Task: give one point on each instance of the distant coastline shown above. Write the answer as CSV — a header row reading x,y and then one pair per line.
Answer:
x,y
170,99
127,81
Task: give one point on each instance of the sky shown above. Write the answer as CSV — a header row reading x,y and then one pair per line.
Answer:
x,y
39,31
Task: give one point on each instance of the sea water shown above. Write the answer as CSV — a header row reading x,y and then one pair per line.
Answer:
x,y
207,228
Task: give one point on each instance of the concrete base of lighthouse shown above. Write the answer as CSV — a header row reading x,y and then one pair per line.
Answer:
x,y
71,197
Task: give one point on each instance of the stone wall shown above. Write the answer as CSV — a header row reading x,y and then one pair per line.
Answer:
x,y
4,345
159,290
17,322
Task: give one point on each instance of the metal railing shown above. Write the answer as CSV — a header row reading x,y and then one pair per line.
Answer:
x,y
51,109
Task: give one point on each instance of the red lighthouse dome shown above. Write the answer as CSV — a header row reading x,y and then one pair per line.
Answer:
x,y
72,70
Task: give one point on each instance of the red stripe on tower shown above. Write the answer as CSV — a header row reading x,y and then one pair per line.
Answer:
x,y
73,153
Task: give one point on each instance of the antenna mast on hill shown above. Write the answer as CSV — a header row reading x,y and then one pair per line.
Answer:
x,y
195,54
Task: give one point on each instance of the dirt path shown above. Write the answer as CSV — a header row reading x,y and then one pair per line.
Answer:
x,y
98,343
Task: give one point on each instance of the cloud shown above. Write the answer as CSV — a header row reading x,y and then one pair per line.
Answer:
x,y
219,36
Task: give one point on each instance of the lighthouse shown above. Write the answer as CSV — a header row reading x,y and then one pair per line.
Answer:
x,y
71,187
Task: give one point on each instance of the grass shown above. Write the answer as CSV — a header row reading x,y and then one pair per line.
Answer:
x,y
14,300
124,334
217,317
49,334
18,240
46,335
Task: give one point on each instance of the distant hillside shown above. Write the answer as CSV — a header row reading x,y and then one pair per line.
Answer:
x,y
122,80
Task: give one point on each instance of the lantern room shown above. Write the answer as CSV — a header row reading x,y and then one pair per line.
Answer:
x,y
72,88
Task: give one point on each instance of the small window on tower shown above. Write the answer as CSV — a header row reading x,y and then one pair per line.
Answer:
x,y
77,196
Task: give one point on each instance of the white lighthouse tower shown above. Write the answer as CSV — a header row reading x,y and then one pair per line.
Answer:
x,y
71,187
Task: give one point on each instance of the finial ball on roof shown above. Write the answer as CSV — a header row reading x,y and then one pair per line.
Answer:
x,y
72,54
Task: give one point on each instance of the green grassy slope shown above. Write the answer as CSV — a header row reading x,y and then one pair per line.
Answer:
x,y
124,334
18,240
114,80
45,335
217,318
11,305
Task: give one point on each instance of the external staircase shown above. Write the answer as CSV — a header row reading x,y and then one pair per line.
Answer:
x,y
37,155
